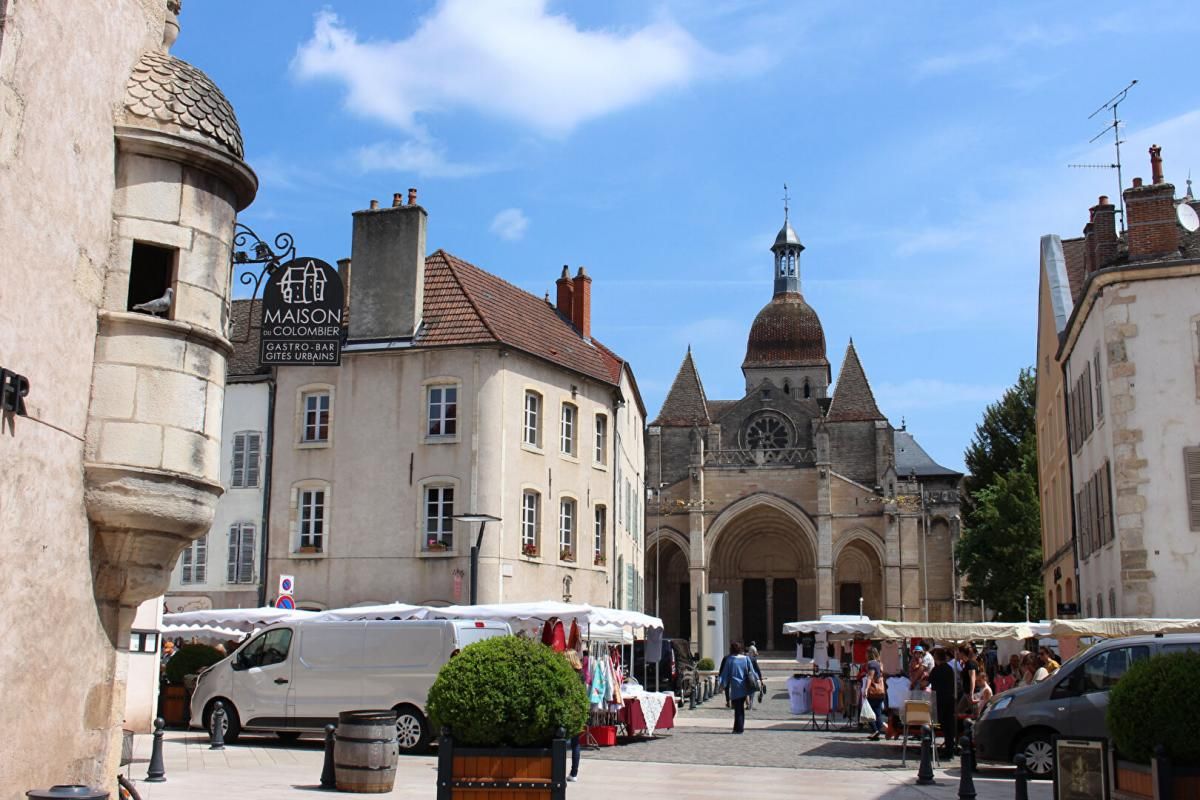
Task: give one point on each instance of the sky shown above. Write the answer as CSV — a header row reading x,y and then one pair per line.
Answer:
x,y
924,145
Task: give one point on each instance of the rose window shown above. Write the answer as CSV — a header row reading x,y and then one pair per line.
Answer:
x,y
768,432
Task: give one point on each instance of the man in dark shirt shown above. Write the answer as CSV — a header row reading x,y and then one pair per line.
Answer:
x,y
941,680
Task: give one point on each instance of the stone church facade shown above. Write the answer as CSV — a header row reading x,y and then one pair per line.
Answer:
x,y
798,499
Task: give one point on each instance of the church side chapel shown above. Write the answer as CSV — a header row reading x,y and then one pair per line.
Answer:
x,y
799,499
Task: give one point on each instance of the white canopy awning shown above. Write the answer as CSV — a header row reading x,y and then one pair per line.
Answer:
x,y
833,624
204,633
1115,628
240,619
517,613
939,631
386,611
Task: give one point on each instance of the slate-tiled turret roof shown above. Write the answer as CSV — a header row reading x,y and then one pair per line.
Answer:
x,y
172,94
786,333
911,459
853,400
685,404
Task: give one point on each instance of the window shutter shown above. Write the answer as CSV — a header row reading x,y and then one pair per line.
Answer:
x,y
253,447
238,479
186,576
246,556
231,567
1099,389
200,563
1191,470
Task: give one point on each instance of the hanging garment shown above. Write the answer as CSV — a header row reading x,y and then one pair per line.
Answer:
x,y
897,692
573,639
799,694
548,632
822,696
861,646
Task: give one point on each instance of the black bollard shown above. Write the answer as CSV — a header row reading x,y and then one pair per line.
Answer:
x,y
216,726
692,699
925,768
328,776
156,773
969,730
966,784
1022,781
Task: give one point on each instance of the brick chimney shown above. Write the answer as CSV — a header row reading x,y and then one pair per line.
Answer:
x,y
1150,214
566,291
581,313
387,252
1103,241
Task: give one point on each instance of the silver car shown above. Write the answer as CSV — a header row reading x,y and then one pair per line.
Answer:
x,y
1071,702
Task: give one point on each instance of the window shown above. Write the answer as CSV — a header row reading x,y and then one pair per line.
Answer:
x,y
630,586
151,274
443,411
195,561
1099,389
807,389
1112,603
312,520
1191,477
1181,647
532,435
246,448
240,568
439,517
1099,604
620,582
1102,671
601,454
315,424
566,529
531,507
567,429
601,523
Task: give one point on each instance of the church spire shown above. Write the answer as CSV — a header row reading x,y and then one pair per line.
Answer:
x,y
853,400
787,249
686,404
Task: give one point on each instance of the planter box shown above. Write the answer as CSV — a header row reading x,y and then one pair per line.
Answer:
x,y
516,773
173,702
1132,781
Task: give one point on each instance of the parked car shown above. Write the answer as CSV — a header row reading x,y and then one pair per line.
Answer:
x,y
296,677
676,667
1071,702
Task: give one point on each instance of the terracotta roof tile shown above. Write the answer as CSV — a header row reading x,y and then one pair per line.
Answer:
x,y
853,400
243,361
786,333
685,404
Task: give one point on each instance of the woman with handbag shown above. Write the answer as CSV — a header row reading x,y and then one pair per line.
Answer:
x,y
876,691
737,676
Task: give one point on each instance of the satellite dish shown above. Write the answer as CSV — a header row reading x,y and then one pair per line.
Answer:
x,y
1187,217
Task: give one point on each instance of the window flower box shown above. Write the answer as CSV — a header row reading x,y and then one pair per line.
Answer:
x,y
599,560
309,550
567,554
436,546
529,549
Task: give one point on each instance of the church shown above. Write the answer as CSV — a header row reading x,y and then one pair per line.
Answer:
x,y
798,499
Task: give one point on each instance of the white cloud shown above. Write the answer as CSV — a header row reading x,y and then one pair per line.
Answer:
x,y
510,59
922,393
510,224
419,155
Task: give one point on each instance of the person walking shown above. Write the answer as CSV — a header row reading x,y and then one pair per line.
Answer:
x,y
941,680
876,691
752,654
576,743
737,677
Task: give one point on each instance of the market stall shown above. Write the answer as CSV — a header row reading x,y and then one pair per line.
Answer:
x,y
224,624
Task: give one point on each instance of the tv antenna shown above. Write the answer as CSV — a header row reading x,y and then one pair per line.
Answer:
x,y
1115,127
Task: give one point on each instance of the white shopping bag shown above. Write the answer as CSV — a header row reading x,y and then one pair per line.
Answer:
x,y
867,714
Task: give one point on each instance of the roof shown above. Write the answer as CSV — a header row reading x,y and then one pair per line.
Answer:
x,y
853,400
786,333
911,459
243,361
465,305
1073,253
685,404
172,94
787,235
717,408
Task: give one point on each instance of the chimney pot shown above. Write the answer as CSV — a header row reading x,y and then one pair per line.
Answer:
x,y
1137,183
397,199
412,197
565,301
374,205
581,311
1156,163
1103,200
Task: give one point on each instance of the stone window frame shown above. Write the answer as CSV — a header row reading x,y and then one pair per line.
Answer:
x,y
193,562
428,386
539,414
568,438
421,541
570,541
601,439
302,395
298,489
245,437
531,529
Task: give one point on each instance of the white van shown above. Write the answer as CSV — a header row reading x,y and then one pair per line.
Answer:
x,y
296,677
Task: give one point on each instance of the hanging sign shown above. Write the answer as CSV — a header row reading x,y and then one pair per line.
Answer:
x,y
302,309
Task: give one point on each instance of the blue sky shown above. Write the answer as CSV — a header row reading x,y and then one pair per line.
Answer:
x,y
925,146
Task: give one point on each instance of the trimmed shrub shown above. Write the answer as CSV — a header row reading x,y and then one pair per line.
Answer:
x,y
1155,703
705,664
190,659
507,691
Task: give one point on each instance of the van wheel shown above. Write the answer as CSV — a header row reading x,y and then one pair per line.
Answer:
x,y
1039,753
233,725
412,730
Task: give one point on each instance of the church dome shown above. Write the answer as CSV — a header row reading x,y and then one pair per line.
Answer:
x,y
172,95
786,333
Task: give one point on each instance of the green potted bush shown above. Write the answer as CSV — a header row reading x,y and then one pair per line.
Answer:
x,y
178,673
1154,706
506,707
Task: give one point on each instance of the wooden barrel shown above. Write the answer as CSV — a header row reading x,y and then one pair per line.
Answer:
x,y
365,751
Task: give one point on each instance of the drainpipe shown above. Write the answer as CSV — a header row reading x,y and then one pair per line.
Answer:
x,y
265,532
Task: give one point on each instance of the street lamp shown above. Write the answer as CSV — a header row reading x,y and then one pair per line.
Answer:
x,y
483,520
1027,608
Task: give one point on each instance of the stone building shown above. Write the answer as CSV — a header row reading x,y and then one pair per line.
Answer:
x,y
1130,356
120,175
223,568
457,393
799,498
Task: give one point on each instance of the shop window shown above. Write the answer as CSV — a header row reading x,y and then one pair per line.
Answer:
x,y
151,273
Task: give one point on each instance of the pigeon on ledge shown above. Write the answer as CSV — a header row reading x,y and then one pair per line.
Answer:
x,y
156,307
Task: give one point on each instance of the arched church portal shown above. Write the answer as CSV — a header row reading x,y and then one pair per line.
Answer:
x,y
670,599
858,573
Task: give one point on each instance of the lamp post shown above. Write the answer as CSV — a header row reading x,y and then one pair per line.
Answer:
x,y
483,520
860,608
1027,608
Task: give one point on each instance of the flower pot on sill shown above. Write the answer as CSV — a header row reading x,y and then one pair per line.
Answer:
x,y
520,773
308,550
